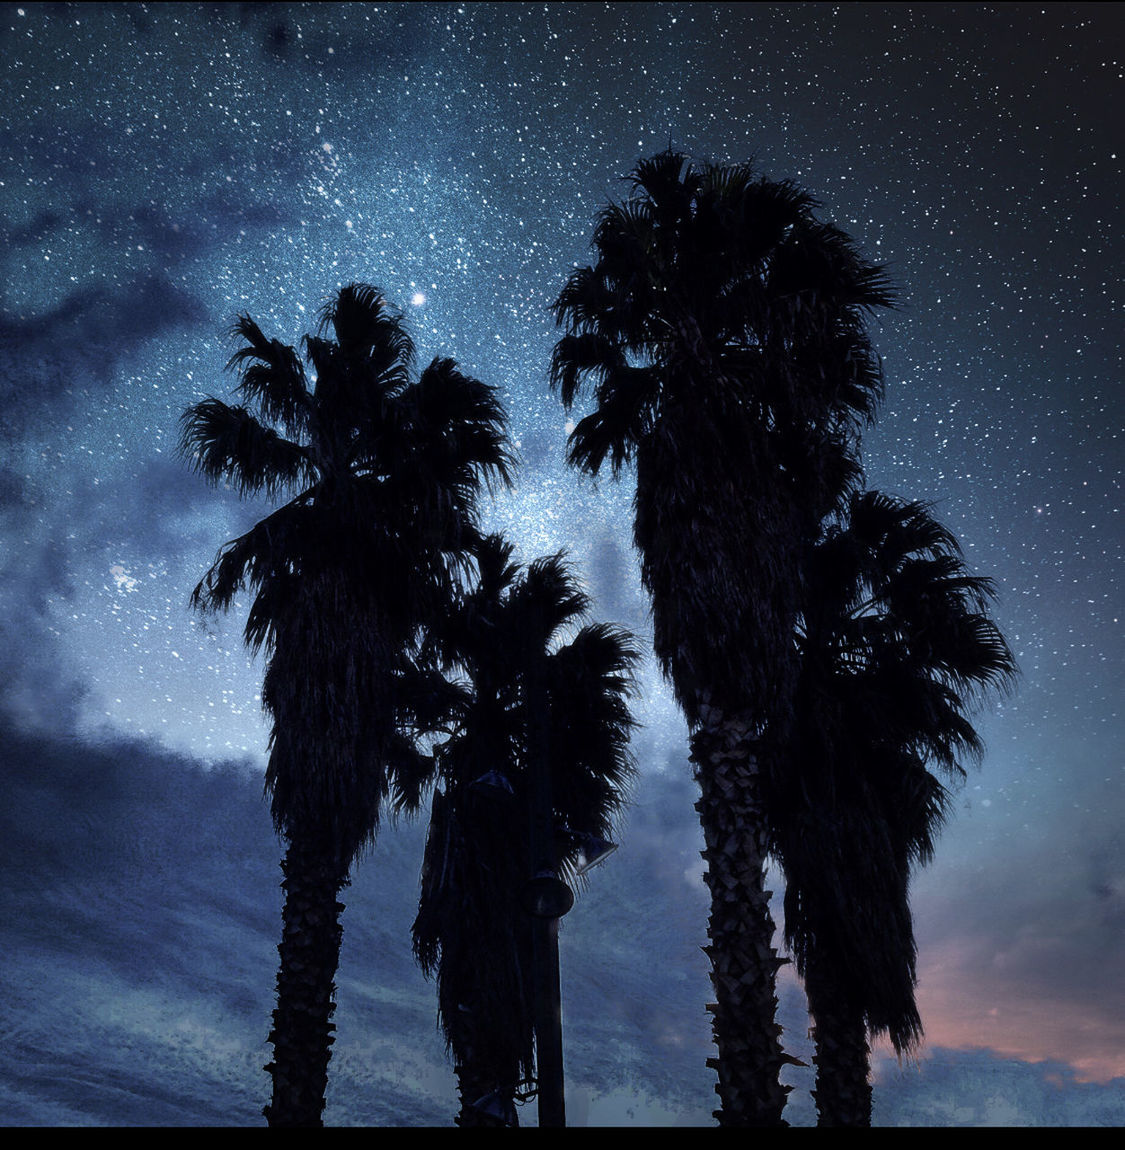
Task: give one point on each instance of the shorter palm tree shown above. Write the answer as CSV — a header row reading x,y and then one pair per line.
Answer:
x,y
472,931
895,645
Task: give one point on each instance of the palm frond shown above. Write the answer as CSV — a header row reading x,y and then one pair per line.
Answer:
x,y
470,933
271,375
224,442
348,576
270,549
578,357
464,424
626,413
896,648
591,680
667,174
548,599
367,326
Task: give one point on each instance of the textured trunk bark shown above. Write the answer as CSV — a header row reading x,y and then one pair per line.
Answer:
x,y
743,961
310,952
843,1057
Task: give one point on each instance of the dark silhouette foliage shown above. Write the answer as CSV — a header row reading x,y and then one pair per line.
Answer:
x,y
382,472
896,646
722,334
471,931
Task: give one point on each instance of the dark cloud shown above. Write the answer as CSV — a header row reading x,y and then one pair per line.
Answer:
x,y
83,810
34,691
44,358
115,854
34,231
139,896
179,514
11,487
234,212
130,875
298,36
49,365
46,574
139,891
1017,932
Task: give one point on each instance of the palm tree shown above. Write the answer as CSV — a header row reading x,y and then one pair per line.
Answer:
x,y
722,329
471,930
895,645
383,473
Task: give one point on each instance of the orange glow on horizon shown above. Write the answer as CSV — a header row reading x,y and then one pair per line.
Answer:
x,y
966,1008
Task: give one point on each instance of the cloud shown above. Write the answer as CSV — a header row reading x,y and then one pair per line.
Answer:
x,y
280,38
1024,995
138,900
139,895
139,912
45,358
82,812
139,917
955,1088
33,571
1026,965
171,512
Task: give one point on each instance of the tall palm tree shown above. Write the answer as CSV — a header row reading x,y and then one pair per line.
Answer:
x,y
471,930
722,330
896,646
382,472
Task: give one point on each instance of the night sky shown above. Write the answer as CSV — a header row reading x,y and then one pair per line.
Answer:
x,y
165,167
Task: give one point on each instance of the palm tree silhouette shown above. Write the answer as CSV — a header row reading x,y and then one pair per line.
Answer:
x,y
895,647
722,330
472,931
386,471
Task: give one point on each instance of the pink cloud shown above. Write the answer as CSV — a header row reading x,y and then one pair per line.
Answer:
x,y
973,1000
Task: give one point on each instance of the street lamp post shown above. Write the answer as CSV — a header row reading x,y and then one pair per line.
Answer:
x,y
546,899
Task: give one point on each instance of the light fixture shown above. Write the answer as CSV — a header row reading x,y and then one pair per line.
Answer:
x,y
497,1105
591,849
492,782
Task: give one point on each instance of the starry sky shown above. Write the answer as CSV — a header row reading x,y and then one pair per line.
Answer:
x,y
165,167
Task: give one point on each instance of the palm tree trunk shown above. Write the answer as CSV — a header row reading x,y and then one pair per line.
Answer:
x,y
843,1057
743,961
310,952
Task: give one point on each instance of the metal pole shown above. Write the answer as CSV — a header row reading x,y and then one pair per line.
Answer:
x,y
545,937
548,1029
